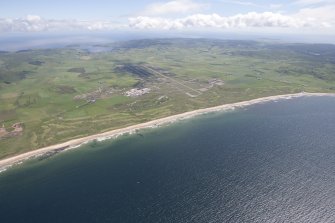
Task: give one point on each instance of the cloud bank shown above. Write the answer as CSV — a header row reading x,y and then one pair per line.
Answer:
x,y
311,15
252,19
34,23
315,18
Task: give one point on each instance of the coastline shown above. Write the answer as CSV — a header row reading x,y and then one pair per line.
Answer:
x,y
74,143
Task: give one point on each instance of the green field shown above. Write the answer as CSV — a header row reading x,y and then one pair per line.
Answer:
x,y
66,93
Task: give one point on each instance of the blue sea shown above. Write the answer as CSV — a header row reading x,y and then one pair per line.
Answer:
x,y
271,162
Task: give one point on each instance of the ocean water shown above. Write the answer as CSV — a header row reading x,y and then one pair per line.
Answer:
x,y
271,162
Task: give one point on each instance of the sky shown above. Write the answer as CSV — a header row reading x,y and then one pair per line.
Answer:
x,y
295,16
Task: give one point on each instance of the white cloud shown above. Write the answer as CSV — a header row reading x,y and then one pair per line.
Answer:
x,y
318,12
172,7
323,15
34,23
252,19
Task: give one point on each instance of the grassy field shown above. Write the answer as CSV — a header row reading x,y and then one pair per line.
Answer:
x,y
61,94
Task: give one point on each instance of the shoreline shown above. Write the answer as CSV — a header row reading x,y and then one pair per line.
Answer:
x,y
74,143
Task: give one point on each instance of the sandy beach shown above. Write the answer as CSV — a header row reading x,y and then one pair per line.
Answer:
x,y
5,163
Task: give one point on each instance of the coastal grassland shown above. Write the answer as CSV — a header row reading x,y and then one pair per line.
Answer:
x,y
66,93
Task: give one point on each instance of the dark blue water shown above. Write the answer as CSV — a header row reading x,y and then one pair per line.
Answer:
x,y
272,162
